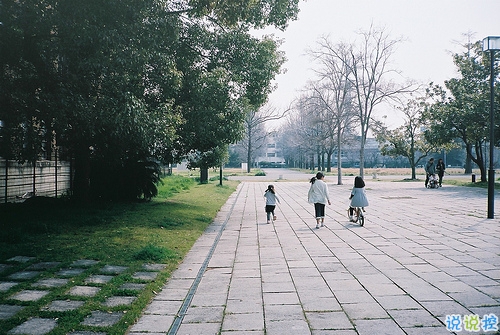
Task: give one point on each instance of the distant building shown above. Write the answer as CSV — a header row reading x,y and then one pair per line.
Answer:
x,y
273,154
350,154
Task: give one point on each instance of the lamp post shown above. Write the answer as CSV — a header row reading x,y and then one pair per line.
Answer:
x,y
491,43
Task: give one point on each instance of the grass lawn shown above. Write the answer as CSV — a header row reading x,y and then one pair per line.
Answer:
x,y
125,234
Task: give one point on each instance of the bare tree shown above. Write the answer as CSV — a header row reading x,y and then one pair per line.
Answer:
x,y
300,135
372,78
255,133
334,92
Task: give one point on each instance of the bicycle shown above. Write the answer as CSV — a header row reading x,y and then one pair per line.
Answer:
x,y
358,215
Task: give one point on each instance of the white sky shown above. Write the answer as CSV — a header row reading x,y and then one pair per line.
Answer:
x,y
432,30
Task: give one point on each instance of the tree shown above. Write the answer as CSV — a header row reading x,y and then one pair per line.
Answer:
x,y
235,77
334,93
461,110
255,133
299,135
371,78
407,140
125,82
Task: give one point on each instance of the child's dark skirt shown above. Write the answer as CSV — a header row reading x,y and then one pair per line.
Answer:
x,y
270,208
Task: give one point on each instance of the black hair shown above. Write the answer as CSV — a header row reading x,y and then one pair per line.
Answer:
x,y
319,175
270,188
359,182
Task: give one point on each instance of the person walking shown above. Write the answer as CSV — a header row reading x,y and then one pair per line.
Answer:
x,y
271,200
430,170
358,197
319,196
440,170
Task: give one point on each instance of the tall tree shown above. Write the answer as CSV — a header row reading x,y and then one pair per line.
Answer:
x,y
334,93
255,133
461,110
126,81
407,140
372,78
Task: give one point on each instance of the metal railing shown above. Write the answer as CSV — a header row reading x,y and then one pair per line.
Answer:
x,y
43,178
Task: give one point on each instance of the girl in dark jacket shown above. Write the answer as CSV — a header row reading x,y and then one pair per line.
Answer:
x,y
440,170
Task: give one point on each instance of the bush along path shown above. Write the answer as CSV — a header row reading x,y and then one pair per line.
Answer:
x,y
84,297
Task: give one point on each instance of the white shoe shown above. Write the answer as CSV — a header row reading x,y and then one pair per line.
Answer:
x,y
268,221
317,226
351,218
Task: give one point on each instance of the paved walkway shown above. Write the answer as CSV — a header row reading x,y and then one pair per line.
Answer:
x,y
423,255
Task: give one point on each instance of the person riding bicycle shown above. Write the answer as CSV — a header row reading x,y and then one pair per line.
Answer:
x,y
358,196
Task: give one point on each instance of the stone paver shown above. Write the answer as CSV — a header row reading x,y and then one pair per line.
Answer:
x,y
84,291
84,263
119,301
102,319
51,282
63,305
24,275
423,254
154,267
8,311
35,326
5,286
113,269
29,295
146,276
70,272
132,286
43,266
98,279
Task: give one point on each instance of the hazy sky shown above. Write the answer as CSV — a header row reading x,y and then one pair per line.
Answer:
x,y
432,30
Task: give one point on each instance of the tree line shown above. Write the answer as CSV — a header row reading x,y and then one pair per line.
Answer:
x,y
119,86
354,84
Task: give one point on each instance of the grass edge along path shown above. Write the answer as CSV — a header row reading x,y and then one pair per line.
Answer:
x,y
130,235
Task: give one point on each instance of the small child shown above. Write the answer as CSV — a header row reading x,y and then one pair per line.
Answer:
x,y
271,200
358,196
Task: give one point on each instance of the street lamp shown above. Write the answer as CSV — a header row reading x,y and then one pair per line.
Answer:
x,y
491,43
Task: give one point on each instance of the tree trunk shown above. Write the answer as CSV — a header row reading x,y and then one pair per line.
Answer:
x,y
220,175
362,156
412,159
329,161
468,160
203,175
249,152
318,155
339,158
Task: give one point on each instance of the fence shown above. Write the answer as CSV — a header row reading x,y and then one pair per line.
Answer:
x,y
45,178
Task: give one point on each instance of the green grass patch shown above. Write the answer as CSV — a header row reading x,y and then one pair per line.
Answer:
x,y
124,234
479,184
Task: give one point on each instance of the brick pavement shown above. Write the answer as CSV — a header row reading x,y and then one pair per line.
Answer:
x,y
423,255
